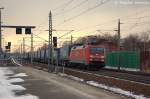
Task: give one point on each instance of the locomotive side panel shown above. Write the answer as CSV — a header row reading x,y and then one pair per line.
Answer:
x,y
89,55
78,55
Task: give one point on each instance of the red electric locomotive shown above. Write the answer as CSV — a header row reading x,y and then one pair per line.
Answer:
x,y
91,56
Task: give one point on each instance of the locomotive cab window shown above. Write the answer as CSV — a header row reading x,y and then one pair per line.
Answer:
x,y
96,50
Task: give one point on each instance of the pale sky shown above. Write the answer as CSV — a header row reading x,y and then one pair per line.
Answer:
x,y
85,17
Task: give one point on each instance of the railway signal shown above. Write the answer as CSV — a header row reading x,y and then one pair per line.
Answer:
x,y
9,43
18,30
28,31
7,48
55,42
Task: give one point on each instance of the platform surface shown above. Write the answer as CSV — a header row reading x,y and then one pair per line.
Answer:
x,y
44,85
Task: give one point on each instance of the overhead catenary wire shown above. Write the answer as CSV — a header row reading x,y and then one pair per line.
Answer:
x,y
40,37
74,7
136,13
147,16
63,5
65,34
83,12
124,18
114,20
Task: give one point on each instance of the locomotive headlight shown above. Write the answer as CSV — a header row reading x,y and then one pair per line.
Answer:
x,y
102,56
91,56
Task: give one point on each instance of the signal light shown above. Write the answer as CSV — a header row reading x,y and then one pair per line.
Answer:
x,y
19,30
27,30
55,41
9,43
7,47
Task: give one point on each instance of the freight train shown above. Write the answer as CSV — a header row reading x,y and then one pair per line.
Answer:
x,y
89,54
85,55
81,55
94,56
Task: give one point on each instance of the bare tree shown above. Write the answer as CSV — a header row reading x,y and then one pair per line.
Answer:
x,y
107,37
66,43
135,42
131,42
44,46
145,38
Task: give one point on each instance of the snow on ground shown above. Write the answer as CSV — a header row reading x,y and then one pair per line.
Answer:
x,y
6,71
16,80
20,75
15,62
75,78
127,69
71,77
116,90
7,88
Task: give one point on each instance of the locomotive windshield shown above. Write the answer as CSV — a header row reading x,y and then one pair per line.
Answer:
x,y
96,50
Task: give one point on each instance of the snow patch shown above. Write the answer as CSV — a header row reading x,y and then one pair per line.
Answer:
x,y
62,74
15,62
7,89
130,69
122,68
20,97
16,88
76,78
16,80
71,77
110,67
20,75
117,90
6,71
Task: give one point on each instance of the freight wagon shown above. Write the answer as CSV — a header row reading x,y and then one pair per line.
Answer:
x,y
64,55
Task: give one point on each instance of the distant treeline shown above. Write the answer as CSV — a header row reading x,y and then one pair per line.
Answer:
x,y
133,42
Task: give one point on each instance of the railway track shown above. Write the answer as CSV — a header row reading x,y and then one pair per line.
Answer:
x,y
141,78
138,84
124,75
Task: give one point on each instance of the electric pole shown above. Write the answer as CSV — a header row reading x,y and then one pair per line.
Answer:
x,y
118,42
1,31
119,39
21,54
50,44
119,34
23,46
71,39
31,47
